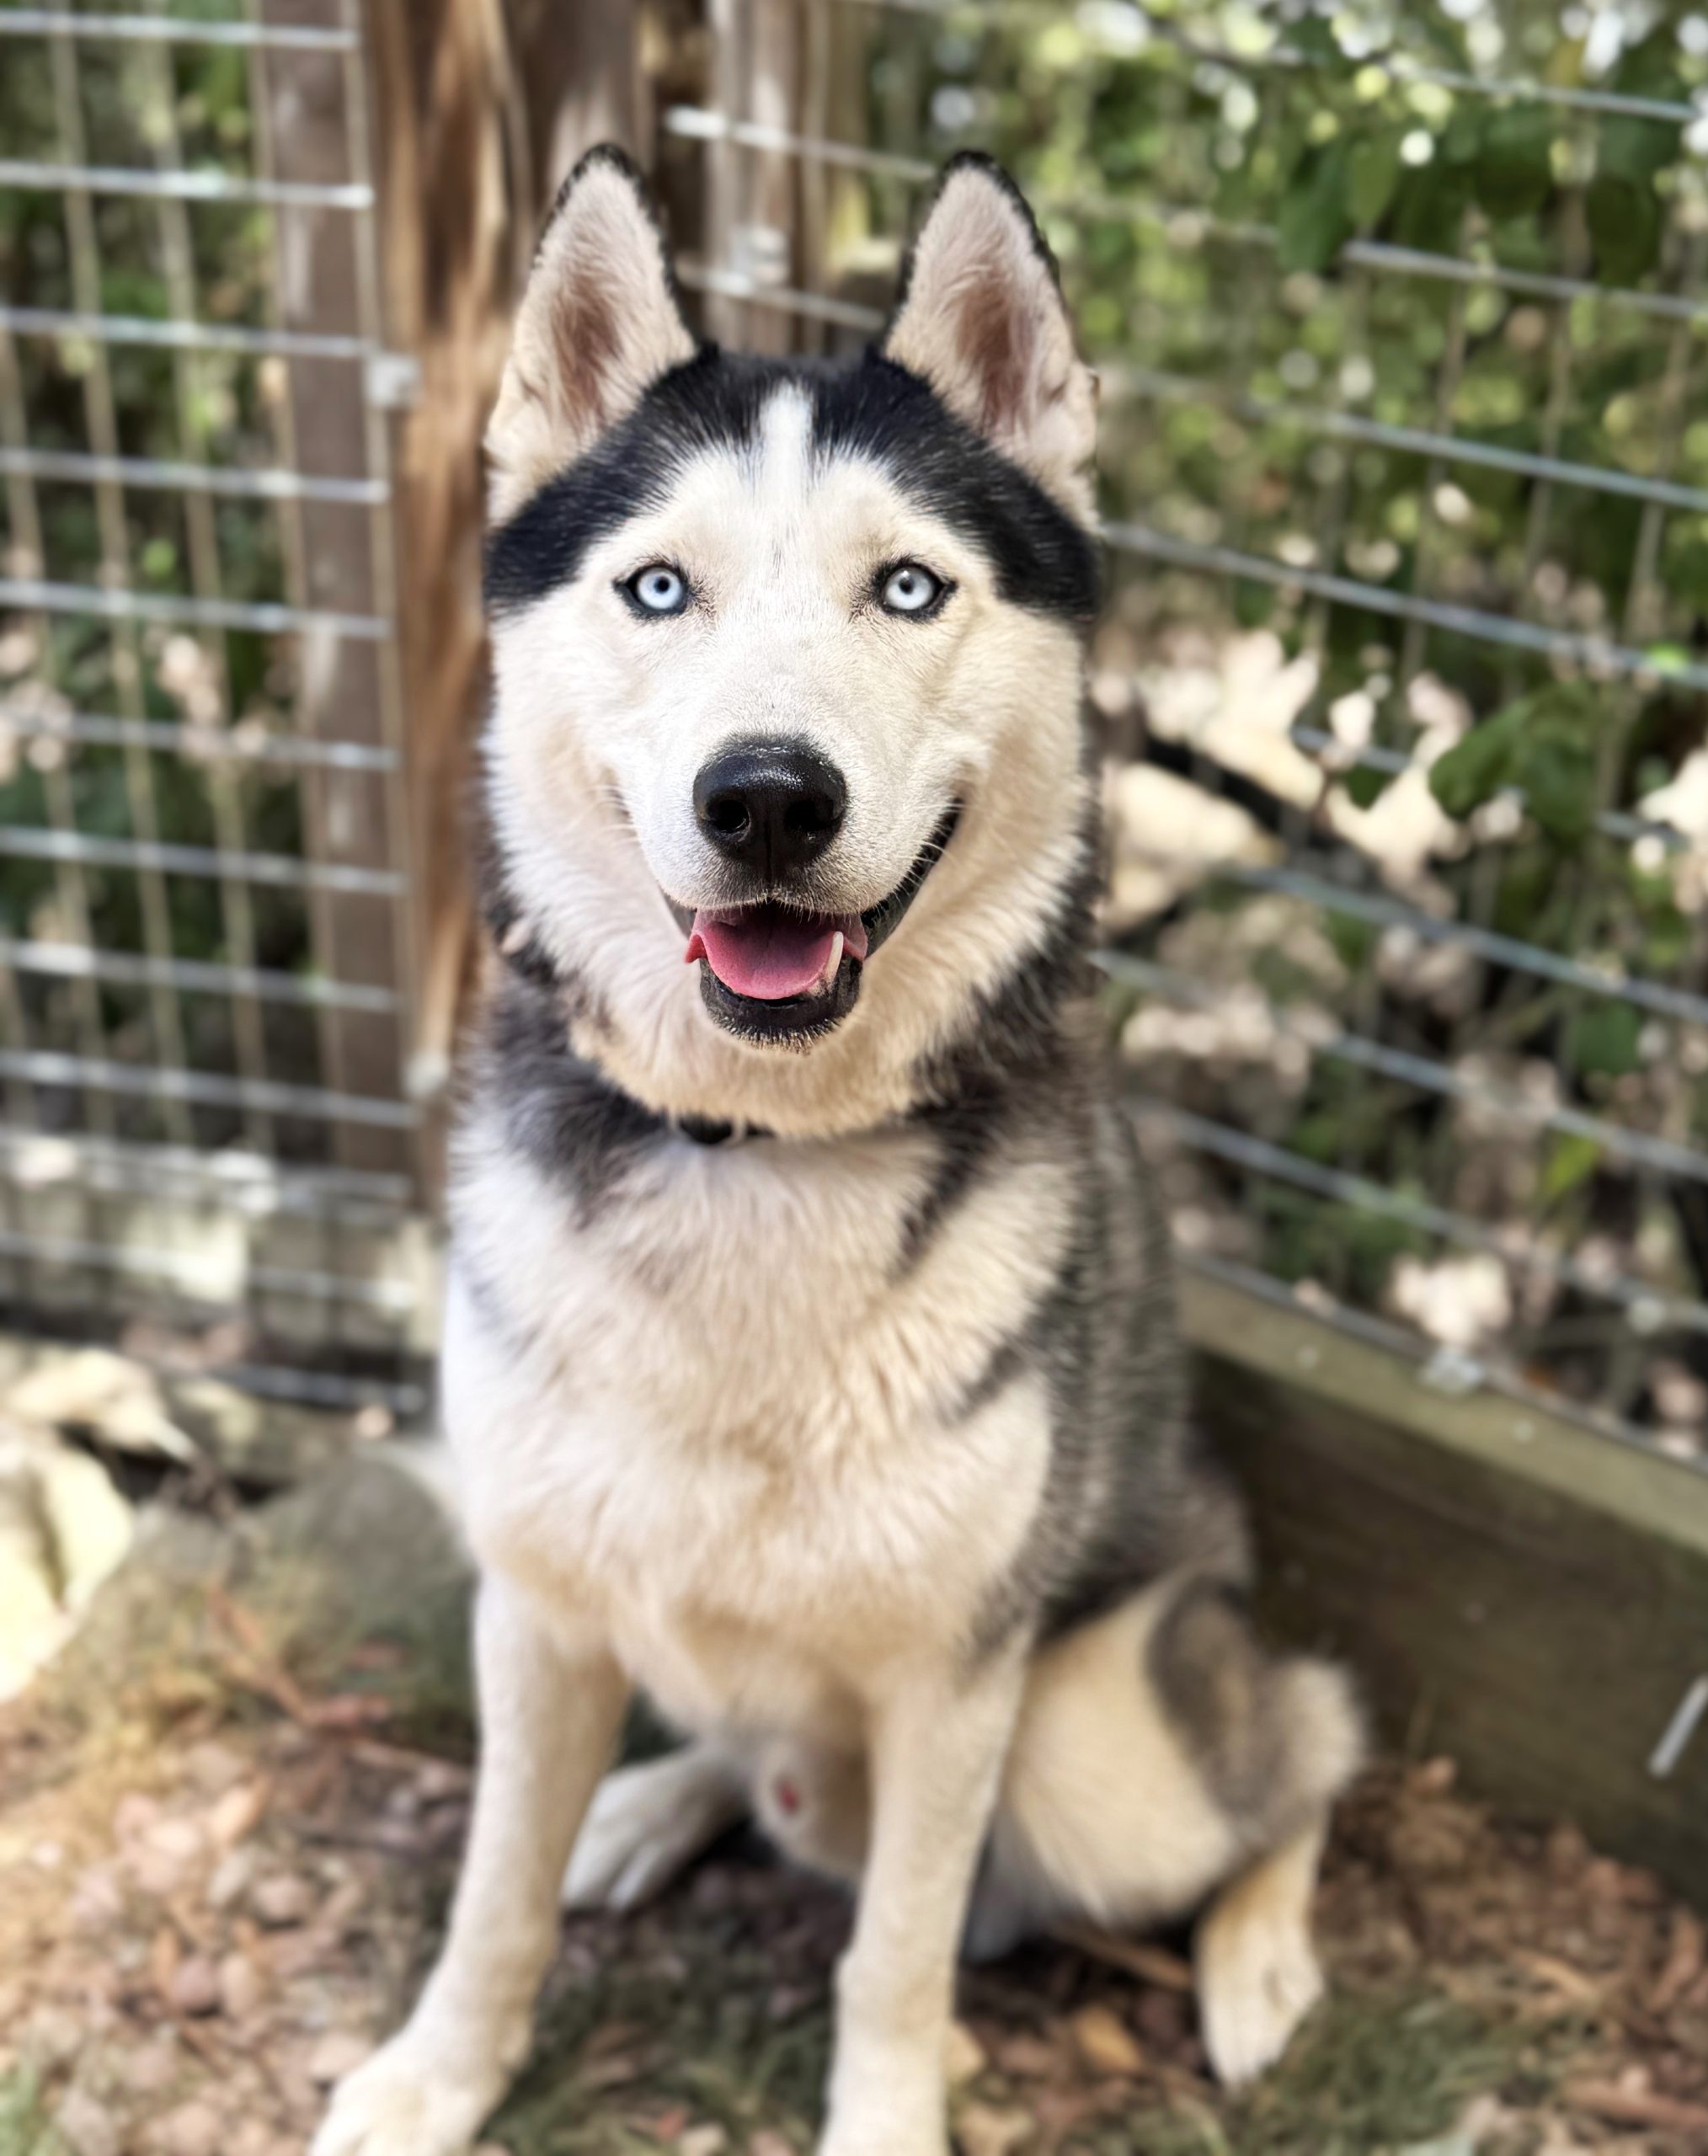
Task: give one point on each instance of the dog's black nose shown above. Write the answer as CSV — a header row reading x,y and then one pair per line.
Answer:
x,y
771,805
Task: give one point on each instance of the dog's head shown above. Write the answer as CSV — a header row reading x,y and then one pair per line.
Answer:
x,y
787,654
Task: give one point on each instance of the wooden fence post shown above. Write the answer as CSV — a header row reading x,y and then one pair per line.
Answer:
x,y
357,936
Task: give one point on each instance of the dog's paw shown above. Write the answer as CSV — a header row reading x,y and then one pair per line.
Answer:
x,y
405,2102
1257,1978
646,1824
885,2139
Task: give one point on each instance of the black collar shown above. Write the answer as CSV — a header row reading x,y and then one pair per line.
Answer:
x,y
707,1130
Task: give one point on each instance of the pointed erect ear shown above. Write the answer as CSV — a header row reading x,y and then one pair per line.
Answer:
x,y
981,318
599,324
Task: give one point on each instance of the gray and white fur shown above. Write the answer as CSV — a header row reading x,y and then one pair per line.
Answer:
x,y
810,1359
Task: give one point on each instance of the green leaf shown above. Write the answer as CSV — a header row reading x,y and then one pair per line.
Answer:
x,y
1461,139
1605,1039
1365,787
1431,208
1314,221
1556,769
1625,223
1475,768
1514,163
1313,35
1373,173
1637,149
1571,1160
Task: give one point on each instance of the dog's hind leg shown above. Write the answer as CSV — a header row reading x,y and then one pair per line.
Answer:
x,y
1257,1972
648,1823
1163,1757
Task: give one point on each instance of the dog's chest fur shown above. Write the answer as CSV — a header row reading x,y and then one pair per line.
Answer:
x,y
743,1396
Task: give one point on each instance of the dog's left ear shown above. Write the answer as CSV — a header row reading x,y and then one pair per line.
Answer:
x,y
981,318
599,324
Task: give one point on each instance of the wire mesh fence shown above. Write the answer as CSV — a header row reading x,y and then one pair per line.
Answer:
x,y
1400,320
203,975
1400,324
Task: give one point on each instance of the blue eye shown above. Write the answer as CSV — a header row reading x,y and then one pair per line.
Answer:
x,y
658,589
909,589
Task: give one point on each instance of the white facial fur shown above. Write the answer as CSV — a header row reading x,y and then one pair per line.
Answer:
x,y
603,719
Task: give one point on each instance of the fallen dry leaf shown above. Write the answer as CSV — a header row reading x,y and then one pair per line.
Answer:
x,y
1686,1951
964,2057
984,2131
237,1813
1622,2105
1104,2042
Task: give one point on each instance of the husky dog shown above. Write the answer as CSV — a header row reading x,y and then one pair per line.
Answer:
x,y
809,1354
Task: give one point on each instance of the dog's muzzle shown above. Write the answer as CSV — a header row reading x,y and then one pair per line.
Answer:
x,y
774,972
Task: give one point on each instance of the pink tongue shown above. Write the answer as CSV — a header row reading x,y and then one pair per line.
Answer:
x,y
768,952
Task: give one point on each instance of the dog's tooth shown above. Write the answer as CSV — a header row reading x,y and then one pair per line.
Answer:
x,y
833,961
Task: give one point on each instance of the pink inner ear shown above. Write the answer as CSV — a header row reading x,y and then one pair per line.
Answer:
x,y
995,338
584,341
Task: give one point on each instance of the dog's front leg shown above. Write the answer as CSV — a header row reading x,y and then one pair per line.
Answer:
x,y
937,1735
551,1705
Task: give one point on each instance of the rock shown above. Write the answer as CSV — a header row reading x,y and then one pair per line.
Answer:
x,y
242,1987
53,2036
261,1442
180,1841
98,1899
363,1553
232,1877
87,2126
255,2138
152,2070
214,1767
147,1621
1028,2057
285,1899
194,1988
707,2140
194,2129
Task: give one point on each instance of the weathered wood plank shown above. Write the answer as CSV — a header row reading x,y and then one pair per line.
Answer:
x,y
1515,1589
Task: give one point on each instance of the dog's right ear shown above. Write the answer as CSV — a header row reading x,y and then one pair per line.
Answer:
x,y
599,324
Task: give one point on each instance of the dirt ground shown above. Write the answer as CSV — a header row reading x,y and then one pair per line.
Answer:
x,y
230,1811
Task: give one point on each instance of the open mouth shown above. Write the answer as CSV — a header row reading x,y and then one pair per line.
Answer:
x,y
776,972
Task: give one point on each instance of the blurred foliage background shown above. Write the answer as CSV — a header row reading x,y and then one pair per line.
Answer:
x,y
142,106
1407,302
1399,317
